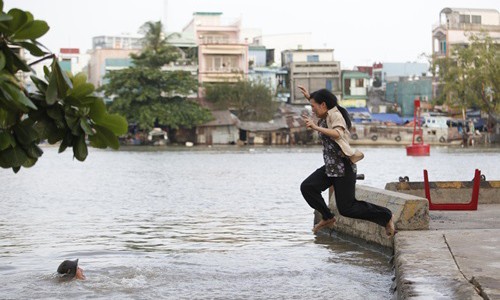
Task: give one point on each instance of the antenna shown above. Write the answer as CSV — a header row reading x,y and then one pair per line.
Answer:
x,y
165,15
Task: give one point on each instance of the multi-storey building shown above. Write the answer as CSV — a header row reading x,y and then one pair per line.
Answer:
x,y
277,43
314,69
354,88
457,25
222,57
110,53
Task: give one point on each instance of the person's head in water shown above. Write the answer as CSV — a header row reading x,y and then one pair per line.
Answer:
x,y
70,269
322,101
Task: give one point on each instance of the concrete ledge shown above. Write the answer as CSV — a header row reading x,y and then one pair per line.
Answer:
x,y
426,268
410,213
450,191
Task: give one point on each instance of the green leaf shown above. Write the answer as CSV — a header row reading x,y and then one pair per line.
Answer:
x,y
21,64
67,141
25,133
97,141
12,157
33,30
116,123
7,118
55,113
51,93
97,110
86,127
79,79
107,136
88,101
62,79
30,162
5,17
80,148
81,90
55,136
34,151
2,60
5,140
40,84
32,48
17,97
44,127
19,19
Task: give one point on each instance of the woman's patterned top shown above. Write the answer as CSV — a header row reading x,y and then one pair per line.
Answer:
x,y
332,155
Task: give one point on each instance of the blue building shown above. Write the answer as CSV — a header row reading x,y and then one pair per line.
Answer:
x,y
404,92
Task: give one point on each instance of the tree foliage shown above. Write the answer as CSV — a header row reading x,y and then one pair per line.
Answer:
x,y
471,76
146,94
62,109
250,100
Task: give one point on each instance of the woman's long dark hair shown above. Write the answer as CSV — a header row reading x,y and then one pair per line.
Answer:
x,y
331,101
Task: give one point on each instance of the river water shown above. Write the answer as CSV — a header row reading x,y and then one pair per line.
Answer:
x,y
199,223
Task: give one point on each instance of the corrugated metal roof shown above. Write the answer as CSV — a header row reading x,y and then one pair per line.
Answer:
x,y
273,125
222,118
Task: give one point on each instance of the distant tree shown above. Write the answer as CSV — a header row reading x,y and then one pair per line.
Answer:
x,y
471,76
146,94
251,101
63,108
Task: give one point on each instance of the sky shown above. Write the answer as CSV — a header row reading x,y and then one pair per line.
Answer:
x,y
361,32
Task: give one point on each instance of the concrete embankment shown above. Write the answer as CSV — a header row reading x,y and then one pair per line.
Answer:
x,y
437,254
458,257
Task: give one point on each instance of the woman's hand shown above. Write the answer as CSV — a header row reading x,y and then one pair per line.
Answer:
x,y
310,122
304,92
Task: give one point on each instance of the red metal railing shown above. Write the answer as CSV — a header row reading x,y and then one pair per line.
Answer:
x,y
472,205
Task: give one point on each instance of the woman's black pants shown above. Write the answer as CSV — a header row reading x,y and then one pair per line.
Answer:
x,y
344,188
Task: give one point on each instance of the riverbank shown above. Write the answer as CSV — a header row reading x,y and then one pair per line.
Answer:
x,y
457,258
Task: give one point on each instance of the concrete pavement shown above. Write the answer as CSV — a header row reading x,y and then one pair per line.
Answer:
x,y
457,258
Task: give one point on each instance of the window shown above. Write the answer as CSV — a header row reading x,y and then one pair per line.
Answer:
x,y
442,47
476,19
329,84
465,19
360,82
313,58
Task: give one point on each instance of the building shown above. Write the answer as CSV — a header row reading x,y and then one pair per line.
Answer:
x,y
222,130
104,60
113,53
256,56
392,71
71,60
404,92
221,55
314,69
456,25
117,42
274,78
354,89
277,43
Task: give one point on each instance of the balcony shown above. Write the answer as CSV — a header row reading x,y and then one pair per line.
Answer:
x,y
221,75
467,27
218,41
